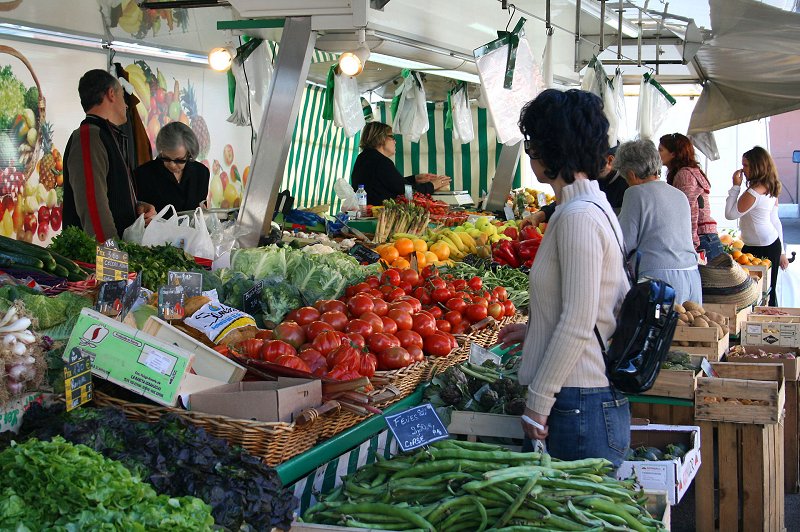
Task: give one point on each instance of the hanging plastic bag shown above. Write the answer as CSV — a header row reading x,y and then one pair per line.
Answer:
x,y
346,194
788,286
411,118
241,101
259,70
347,111
162,230
547,61
462,115
707,144
654,104
596,81
510,78
135,232
619,106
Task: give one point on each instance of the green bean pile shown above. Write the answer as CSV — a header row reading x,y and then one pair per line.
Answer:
x,y
457,485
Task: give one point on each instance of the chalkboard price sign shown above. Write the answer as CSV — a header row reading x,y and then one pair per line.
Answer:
x,y
416,427
364,254
251,300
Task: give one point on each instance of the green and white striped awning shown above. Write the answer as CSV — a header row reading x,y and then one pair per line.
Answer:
x,y
320,153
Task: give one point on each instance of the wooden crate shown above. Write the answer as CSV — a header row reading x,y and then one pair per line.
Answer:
x,y
771,332
763,318
474,424
679,383
663,414
736,318
758,278
749,479
742,382
705,341
791,366
790,311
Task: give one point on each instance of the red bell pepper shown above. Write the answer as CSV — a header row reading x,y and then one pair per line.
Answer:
x,y
505,251
512,233
529,233
528,249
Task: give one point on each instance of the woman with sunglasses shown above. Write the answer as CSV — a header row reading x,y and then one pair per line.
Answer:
x,y
683,173
174,177
577,283
375,170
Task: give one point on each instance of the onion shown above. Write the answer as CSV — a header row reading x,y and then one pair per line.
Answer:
x,y
15,387
21,372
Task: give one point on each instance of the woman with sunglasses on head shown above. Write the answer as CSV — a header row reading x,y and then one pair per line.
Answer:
x,y
577,283
683,173
375,170
174,177
762,231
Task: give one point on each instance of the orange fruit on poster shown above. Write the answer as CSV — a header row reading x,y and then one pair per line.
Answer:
x,y
402,264
389,254
420,245
404,246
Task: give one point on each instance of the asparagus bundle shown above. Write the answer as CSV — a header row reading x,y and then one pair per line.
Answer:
x,y
400,218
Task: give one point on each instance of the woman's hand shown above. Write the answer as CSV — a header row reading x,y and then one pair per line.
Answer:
x,y
512,336
532,432
784,261
424,178
441,182
738,177
534,219
148,210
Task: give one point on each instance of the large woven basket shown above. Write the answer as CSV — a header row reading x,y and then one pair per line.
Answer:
x,y
333,424
272,442
405,379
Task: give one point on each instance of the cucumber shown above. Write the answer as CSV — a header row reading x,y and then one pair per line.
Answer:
x,y
61,271
20,261
65,262
17,247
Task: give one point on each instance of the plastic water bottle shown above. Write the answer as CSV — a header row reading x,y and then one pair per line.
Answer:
x,y
361,196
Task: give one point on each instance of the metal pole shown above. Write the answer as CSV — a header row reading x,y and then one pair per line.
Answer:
x,y
602,25
277,126
577,35
619,29
503,178
639,38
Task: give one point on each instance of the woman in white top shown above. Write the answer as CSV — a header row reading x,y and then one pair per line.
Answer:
x,y
757,208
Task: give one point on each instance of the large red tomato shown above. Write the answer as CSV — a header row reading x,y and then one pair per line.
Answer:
x,y
336,319
357,289
401,305
294,362
389,325
357,339
435,311
380,307
331,305
345,355
423,295
391,277
496,311
362,327
475,312
402,318
443,325
394,358
359,304
440,295
454,317
409,338
373,281
369,363
456,303
424,324
374,320
460,328
314,359
291,333
416,353
476,283
305,315
380,342
410,276
415,303
500,293
437,345
459,284
315,327
272,349
508,308
326,342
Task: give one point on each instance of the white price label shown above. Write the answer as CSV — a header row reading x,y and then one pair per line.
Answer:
x,y
157,360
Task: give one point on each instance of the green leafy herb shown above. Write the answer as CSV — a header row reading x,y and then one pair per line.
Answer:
x,y
75,244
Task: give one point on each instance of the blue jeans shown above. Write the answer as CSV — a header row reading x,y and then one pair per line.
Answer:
x,y
588,423
711,244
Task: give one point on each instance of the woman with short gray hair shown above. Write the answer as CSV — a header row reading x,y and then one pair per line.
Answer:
x,y
656,222
174,177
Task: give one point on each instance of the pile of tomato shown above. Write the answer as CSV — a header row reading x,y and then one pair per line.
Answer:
x,y
384,323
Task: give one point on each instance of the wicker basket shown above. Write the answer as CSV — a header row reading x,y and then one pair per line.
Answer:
x,y
405,379
334,423
272,442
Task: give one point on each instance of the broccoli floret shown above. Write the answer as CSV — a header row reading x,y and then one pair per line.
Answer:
x,y
516,407
451,395
489,399
32,100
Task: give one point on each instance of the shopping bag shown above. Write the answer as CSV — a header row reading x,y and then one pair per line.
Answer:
x,y
462,116
347,111
411,118
198,242
161,230
654,104
135,232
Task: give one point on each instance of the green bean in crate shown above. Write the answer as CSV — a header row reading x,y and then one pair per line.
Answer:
x,y
456,485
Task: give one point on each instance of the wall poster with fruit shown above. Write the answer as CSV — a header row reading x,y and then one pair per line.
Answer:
x,y
171,93
31,166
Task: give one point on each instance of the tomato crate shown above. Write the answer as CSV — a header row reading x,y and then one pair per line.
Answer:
x,y
707,341
679,383
736,317
748,478
784,311
742,393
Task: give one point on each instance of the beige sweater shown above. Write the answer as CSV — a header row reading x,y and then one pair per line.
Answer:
x,y
577,281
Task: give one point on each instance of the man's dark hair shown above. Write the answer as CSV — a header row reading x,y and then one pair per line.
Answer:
x,y
93,86
567,131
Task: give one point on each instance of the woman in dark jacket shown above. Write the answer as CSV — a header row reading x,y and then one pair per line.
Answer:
x,y
174,177
375,170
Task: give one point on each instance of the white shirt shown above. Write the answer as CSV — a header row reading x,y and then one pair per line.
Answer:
x,y
760,224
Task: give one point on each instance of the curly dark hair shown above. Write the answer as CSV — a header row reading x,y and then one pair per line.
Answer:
x,y
568,131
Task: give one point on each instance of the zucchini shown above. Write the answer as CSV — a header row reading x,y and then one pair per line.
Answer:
x,y
65,262
20,261
17,247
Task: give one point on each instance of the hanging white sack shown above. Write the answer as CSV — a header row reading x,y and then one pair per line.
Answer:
x,y
547,61
462,116
411,119
259,71
241,99
347,111
654,104
707,144
596,81
619,106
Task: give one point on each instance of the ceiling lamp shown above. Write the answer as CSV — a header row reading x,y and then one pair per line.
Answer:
x,y
352,63
220,58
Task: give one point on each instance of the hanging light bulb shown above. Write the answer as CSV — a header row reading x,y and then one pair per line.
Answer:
x,y
220,58
352,63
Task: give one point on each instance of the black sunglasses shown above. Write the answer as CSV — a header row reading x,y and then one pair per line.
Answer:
x,y
176,161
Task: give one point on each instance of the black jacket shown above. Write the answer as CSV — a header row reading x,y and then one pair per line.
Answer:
x,y
111,207
381,179
157,185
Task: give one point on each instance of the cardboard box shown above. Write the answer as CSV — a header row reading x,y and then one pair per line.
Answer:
x,y
673,476
135,360
268,401
771,333
207,362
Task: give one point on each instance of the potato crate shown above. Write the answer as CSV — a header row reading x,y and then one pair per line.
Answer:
x,y
742,393
736,317
748,478
679,383
707,341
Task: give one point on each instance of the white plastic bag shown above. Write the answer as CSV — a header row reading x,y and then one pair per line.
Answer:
x,y
547,62
135,232
411,120
347,111
462,116
653,107
788,286
707,144
199,243
596,81
346,193
619,104
241,100
161,230
259,71
504,104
